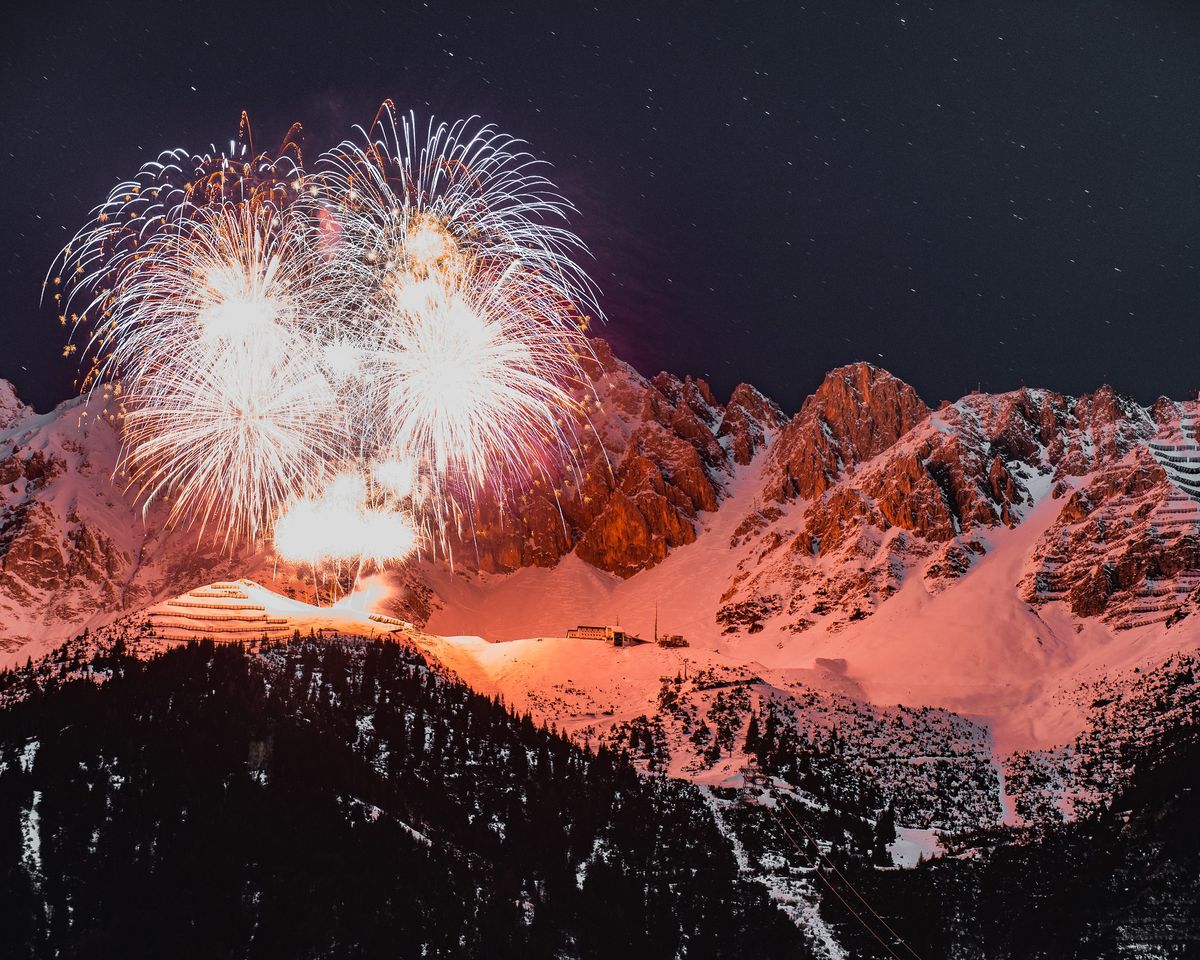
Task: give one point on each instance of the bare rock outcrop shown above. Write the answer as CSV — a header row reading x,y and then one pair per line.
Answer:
x,y
653,454
858,412
750,419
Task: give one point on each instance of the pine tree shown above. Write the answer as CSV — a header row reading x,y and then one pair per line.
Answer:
x,y
753,739
885,833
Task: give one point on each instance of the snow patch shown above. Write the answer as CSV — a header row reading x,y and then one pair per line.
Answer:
x,y
911,846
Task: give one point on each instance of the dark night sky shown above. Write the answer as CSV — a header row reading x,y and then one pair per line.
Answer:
x,y
966,192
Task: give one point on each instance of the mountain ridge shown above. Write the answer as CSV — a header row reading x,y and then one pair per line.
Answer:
x,y
938,625
758,536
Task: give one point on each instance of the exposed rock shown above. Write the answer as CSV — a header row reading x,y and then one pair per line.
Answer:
x,y
749,614
864,487
951,563
857,412
12,410
76,550
1125,546
750,420
650,459
878,505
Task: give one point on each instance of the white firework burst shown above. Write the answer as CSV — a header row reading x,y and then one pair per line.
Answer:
x,y
468,306
413,307
228,409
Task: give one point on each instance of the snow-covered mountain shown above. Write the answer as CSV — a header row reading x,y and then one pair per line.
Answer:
x,y
917,627
76,549
989,558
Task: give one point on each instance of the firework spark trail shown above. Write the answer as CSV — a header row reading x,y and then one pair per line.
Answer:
x,y
400,194
229,410
233,440
162,197
464,381
469,306
340,358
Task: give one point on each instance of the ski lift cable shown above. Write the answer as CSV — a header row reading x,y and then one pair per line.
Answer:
x,y
853,889
834,890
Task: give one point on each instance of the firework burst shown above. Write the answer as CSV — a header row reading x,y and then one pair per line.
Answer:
x,y
412,307
466,383
162,198
347,523
469,305
409,199
209,331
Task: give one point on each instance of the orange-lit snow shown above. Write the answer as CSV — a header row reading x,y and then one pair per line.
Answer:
x,y
975,648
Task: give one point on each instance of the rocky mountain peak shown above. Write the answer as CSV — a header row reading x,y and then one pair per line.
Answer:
x,y
12,409
750,419
857,412
653,453
883,489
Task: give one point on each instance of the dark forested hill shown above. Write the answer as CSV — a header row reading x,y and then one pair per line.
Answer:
x,y
343,800
1125,882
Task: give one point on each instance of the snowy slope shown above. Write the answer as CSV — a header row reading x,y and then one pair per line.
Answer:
x,y
975,642
986,558
76,549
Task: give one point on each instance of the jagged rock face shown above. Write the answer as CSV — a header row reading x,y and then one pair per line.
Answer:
x,y
654,455
76,549
750,419
857,412
947,477
1125,547
633,534
1094,429
59,561
927,497
11,407
864,488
